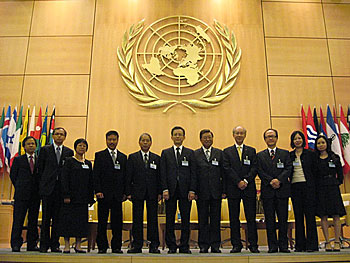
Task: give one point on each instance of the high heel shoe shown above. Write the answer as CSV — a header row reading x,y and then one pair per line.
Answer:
x,y
79,251
336,246
328,247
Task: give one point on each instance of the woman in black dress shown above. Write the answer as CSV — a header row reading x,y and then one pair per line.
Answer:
x,y
329,174
77,191
303,194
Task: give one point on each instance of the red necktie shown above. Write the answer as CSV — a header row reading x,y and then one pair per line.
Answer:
x,y
272,154
31,164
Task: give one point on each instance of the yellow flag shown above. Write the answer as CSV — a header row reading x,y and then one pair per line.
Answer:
x,y
24,131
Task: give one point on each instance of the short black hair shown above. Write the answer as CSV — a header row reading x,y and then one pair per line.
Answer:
x,y
27,138
205,131
60,128
147,134
177,128
271,129
292,145
328,142
80,140
112,132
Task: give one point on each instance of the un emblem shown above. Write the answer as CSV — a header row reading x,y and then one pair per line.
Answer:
x,y
179,60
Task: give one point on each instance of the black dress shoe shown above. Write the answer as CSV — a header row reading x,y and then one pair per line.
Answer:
x,y
299,250
172,251
236,250
185,251
117,251
272,250
33,248
215,250
154,250
66,251
203,250
16,249
134,250
56,250
102,251
254,250
311,250
43,250
284,250
79,250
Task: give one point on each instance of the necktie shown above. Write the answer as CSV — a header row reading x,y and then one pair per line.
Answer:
x,y
145,159
58,154
31,164
178,155
272,154
113,156
207,154
239,152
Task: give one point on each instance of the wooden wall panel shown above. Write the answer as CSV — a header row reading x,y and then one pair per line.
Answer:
x,y
287,56
285,127
52,18
287,93
12,55
293,20
10,90
59,55
71,93
340,56
337,18
336,1
296,1
15,18
75,127
341,90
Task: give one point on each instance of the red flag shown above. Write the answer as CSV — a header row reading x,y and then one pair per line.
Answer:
x,y
323,128
344,133
38,127
311,130
304,126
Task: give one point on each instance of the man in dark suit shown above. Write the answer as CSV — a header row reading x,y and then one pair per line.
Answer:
x,y
210,175
241,168
143,184
50,163
274,169
109,182
24,178
178,180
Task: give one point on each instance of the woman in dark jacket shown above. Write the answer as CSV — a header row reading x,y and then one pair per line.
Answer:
x,y
77,191
329,175
303,194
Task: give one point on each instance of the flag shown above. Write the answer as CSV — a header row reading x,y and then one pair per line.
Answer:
x,y
303,118
4,135
38,127
10,139
348,116
44,131
337,127
15,146
311,130
24,132
323,129
316,122
2,120
31,128
345,136
52,126
332,134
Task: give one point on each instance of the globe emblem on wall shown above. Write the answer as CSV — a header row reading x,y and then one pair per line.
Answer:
x,y
179,60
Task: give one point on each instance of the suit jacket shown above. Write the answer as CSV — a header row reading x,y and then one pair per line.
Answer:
x,y
141,182
209,174
49,169
171,171
268,169
25,182
308,160
237,170
107,179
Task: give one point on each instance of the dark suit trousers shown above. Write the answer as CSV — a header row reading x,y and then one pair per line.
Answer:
x,y
279,206
51,206
103,207
185,210
209,216
19,213
152,223
304,205
249,204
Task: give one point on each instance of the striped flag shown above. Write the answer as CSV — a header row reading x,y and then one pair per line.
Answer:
x,y
38,127
4,135
44,131
323,129
16,141
345,138
10,139
303,118
333,135
31,128
52,126
2,120
24,132
311,130
316,122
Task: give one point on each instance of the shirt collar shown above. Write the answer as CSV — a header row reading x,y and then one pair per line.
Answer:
x,y
28,156
205,149
181,146
274,150
110,151
55,146
143,153
239,146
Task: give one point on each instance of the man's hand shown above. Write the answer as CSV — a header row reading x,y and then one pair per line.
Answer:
x,y
242,185
223,196
191,196
99,195
275,183
166,195
128,197
66,200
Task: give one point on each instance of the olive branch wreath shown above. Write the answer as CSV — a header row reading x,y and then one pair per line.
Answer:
x,y
212,97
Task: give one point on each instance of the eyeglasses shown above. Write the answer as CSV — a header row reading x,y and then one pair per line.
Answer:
x,y
270,136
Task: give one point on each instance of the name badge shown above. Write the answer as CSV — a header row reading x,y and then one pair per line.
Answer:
x,y
153,166
85,166
331,164
296,163
117,166
184,162
246,162
280,165
215,162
